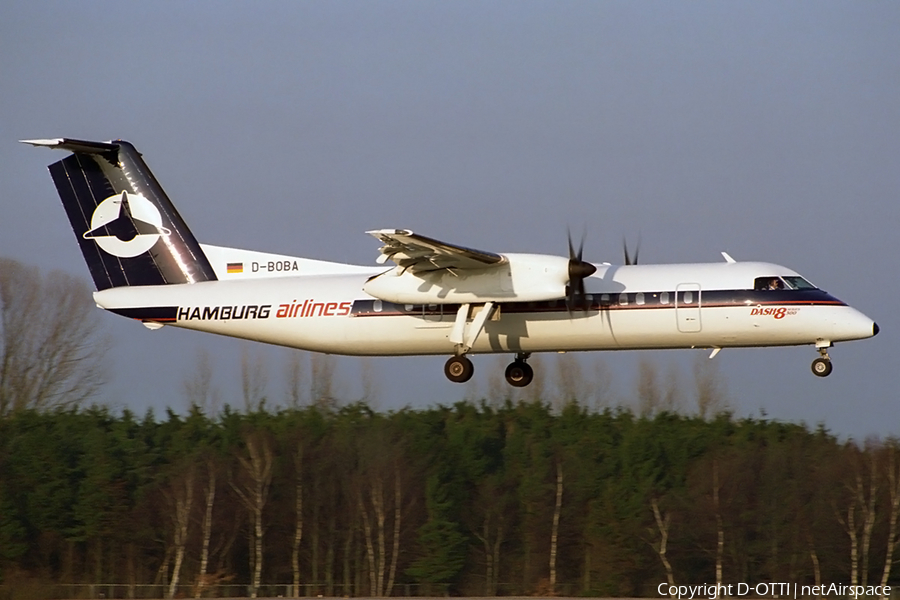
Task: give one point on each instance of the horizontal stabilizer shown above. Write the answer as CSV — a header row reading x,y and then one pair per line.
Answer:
x,y
79,146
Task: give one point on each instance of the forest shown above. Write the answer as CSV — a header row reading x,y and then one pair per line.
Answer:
x,y
469,499
550,492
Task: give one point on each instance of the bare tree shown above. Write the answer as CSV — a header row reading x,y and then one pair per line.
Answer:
x,y
867,500
893,481
295,373
720,529
554,531
209,502
488,525
198,385
648,387
671,390
571,385
498,391
601,378
322,383
181,498
199,392
379,500
536,390
711,394
253,378
51,347
860,504
252,487
371,393
662,523
298,517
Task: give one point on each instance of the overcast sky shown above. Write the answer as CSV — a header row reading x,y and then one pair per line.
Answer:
x,y
769,130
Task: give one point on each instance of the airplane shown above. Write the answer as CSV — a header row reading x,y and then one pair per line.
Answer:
x,y
435,299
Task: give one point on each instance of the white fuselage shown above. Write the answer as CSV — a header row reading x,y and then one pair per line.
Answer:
x,y
630,307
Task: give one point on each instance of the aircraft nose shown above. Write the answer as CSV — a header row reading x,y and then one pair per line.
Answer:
x,y
875,329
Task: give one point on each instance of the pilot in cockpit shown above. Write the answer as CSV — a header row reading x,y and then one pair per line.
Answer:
x,y
769,283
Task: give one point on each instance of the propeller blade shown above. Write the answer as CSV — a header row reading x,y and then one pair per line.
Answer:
x,y
578,271
628,258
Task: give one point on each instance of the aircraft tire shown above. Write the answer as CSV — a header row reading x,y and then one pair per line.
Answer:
x,y
519,373
459,369
821,367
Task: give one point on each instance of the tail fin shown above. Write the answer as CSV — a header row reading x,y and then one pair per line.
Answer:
x,y
128,230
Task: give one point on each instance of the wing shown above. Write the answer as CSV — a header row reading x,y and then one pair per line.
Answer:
x,y
417,253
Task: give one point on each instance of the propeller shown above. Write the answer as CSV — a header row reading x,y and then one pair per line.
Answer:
x,y
578,271
629,260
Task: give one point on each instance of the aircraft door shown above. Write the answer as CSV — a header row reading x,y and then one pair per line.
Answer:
x,y
687,307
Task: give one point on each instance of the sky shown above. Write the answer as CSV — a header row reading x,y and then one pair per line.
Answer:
x,y
768,130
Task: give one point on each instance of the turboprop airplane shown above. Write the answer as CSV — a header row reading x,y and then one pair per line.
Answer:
x,y
437,298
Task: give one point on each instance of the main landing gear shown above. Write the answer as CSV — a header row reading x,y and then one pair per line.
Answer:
x,y
519,373
459,369
821,367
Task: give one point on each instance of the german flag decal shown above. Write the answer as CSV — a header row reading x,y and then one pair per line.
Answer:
x,y
235,268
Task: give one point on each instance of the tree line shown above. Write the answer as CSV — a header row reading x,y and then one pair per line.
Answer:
x,y
538,491
466,499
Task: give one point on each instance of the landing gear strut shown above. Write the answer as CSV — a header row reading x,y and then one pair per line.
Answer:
x,y
519,373
459,369
821,367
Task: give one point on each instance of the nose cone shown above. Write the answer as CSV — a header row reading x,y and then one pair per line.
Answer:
x,y
850,324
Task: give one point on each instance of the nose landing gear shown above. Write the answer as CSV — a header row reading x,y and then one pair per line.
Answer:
x,y
821,367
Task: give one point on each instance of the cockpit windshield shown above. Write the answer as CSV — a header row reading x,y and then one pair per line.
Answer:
x,y
788,282
798,283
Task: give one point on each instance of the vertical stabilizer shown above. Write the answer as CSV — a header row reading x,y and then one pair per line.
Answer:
x,y
126,226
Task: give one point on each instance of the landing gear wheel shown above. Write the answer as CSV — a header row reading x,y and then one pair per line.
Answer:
x,y
519,373
459,369
821,367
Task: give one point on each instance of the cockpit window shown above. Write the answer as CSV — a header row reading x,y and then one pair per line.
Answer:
x,y
788,282
798,283
769,283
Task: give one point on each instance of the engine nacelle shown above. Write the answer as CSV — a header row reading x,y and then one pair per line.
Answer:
x,y
522,278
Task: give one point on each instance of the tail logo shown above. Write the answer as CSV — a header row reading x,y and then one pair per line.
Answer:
x,y
126,225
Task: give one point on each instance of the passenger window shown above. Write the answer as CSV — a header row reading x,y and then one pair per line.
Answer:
x,y
688,297
639,298
623,299
604,299
377,306
664,298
